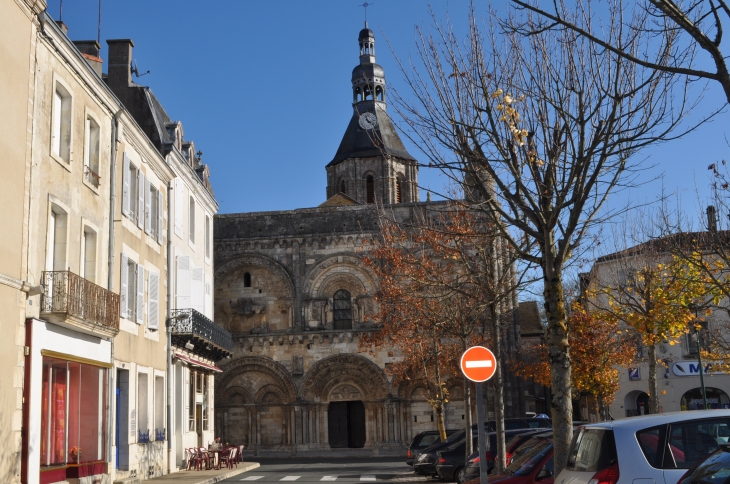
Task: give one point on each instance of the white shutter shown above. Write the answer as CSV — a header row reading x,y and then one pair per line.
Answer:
x,y
56,128
123,288
140,294
182,285
179,207
197,291
147,206
125,186
153,299
140,199
87,143
160,211
208,290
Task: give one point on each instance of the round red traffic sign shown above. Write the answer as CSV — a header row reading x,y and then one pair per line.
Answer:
x,y
478,364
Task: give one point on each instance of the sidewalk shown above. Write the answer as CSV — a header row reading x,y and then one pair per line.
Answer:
x,y
204,477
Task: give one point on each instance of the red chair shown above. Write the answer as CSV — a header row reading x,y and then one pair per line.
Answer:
x,y
229,457
195,461
240,452
205,456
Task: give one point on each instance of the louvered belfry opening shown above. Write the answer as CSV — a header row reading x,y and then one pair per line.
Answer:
x,y
398,191
370,189
343,187
342,310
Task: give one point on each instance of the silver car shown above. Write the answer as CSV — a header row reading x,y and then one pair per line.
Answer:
x,y
651,449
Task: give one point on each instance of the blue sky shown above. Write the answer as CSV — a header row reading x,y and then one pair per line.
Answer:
x,y
263,89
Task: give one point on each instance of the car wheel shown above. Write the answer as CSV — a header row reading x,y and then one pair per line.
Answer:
x,y
460,475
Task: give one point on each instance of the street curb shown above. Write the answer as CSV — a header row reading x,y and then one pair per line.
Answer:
x,y
221,477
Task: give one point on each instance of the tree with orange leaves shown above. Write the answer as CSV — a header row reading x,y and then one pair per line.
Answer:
x,y
443,282
598,348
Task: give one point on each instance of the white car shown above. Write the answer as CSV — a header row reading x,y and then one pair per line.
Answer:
x,y
651,449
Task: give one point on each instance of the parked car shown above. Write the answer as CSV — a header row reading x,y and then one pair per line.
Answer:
x,y
451,462
425,460
522,423
522,446
533,466
713,469
423,440
658,448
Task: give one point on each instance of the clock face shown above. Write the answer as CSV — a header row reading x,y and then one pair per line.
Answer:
x,y
368,121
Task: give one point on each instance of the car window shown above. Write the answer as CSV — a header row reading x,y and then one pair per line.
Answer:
x,y
650,441
524,464
515,424
693,440
453,438
592,450
428,440
715,470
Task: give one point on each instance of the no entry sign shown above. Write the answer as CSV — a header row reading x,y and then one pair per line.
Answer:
x,y
478,364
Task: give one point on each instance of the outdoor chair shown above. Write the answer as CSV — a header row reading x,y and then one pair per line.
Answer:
x,y
229,457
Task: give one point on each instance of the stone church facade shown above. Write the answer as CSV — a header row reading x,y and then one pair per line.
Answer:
x,y
292,289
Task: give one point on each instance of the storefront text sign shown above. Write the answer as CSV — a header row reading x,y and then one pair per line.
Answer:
x,y
691,368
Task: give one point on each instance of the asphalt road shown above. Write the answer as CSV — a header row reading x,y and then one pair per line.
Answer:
x,y
328,471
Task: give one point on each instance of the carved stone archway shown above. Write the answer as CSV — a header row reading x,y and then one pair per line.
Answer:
x,y
331,372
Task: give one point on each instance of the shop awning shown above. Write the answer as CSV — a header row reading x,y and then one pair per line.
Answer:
x,y
195,362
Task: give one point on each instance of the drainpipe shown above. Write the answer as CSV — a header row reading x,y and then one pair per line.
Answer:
x,y
168,327
110,276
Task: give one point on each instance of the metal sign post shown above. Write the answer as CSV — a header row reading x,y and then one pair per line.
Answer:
x,y
479,364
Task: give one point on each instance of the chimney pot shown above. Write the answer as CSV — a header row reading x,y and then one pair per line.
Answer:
x,y
120,62
711,218
62,26
90,49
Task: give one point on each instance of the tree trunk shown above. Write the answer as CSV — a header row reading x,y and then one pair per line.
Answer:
x,y
653,385
440,421
561,402
467,416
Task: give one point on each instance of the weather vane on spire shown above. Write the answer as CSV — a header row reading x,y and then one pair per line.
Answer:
x,y
366,5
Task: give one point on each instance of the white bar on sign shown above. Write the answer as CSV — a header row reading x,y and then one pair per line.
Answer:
x,y
367,478
479,364
329,478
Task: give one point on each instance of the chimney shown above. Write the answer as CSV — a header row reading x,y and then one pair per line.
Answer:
x,y
711,218
90,50
62,26
120,62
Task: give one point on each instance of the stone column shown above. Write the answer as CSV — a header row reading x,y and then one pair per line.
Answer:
x,y
323,427
257,431
293,430
370,426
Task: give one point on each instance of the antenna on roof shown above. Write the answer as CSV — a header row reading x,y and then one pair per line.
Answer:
x,y
135,70
60,11
366,5
98,26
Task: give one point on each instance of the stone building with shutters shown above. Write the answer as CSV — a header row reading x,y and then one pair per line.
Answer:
x,y
292,289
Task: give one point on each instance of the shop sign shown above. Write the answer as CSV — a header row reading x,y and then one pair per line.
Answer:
x,y
634,374
691,368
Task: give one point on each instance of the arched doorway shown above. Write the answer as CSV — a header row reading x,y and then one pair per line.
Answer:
x,y
346,424
692,399
636,403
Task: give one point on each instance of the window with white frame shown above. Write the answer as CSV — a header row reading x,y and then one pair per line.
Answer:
x,y
92,142
61,123
153,212
153,301
131,189
159,408
143,423
88,269
179,207
208,227
131,293
191,220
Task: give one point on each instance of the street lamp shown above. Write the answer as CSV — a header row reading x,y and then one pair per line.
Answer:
x,y
699,359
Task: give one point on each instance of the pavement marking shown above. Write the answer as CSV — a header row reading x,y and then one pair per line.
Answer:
x,y
252,478
367,477
329,478
290,478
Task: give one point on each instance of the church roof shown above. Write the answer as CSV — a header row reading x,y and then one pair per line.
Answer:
x,y
530,323
339,199
383,139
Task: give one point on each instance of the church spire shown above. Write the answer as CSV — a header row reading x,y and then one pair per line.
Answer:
x,y
368,78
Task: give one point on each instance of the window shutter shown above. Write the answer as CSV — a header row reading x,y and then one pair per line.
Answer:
x,y
179,207
140,294
56,128
160,211
125,186
140,198
147,206
87,143
182,284
153,299
123,287
197,291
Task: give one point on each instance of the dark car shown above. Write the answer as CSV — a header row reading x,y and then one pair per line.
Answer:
x,y
713,469
450,462
535,439
425,460
522,423
535,465
423,440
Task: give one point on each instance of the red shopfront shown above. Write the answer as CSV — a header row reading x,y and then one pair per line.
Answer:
x,y
67,415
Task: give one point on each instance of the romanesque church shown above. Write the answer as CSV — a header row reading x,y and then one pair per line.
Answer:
x,y
291,288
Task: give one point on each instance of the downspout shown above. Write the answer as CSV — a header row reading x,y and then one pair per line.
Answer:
x,y
110,276
168,327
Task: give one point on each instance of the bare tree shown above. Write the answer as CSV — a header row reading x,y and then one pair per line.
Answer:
x,y
679,29
540,129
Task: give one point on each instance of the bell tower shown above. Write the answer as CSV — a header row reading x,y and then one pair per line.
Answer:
x,y
371,165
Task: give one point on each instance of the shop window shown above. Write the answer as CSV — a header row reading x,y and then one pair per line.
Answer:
x,y
142,405
693,400
73,417
159,408
92,141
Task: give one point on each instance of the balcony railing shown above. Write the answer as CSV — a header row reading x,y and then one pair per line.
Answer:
x,y
192,330
71,300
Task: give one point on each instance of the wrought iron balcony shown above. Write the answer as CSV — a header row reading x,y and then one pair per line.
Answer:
x,y
190,328
72,301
